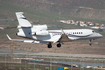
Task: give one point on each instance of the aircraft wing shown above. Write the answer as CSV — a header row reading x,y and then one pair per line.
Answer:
x,y
24,40
61,38
64,37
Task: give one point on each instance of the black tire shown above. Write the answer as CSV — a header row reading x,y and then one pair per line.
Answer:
x,y
59,45
90,44
49,46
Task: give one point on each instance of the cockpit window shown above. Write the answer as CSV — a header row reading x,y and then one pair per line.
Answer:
x,y
93,31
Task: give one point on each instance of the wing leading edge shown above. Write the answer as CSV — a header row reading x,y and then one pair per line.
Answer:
x,y
64,37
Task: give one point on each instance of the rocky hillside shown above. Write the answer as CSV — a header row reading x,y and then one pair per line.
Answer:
x,y
89,9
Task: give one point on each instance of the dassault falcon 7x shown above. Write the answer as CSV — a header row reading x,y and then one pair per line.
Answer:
x,y
41,34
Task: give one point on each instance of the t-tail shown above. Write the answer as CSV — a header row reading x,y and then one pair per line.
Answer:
x,y
24,26
23,22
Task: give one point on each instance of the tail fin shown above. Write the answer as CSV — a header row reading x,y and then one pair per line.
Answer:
x,y
23,22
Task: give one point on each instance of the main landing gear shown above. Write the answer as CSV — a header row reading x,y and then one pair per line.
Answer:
x,y
58,45
50,45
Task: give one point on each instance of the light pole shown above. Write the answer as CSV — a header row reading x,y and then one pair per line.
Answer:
x,y
11,49
83,64
50,64
71,63
34,66
20,64
25,65
5,60
80,64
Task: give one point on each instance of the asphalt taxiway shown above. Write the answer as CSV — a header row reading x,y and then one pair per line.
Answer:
x,y
53,55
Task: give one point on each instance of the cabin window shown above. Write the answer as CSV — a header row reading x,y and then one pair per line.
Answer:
x,y
77,32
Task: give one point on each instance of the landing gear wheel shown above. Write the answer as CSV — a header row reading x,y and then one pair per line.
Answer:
x,y
59,45
90,42
49,45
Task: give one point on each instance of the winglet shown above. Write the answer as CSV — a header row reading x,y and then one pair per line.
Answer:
x,y
8,37
64,37
62,31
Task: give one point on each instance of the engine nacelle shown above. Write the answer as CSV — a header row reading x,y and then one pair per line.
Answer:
x,y
20,34
41,33
40,27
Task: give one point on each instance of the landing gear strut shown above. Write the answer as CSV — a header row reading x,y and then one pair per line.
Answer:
x,y
58,45
90,42
49,45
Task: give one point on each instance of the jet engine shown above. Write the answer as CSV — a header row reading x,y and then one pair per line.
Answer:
x,y
41,33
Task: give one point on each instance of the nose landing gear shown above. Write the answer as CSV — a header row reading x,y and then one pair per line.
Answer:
x,y
90,42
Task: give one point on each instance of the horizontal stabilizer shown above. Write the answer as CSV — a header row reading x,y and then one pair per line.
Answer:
x,y
9,37
27,41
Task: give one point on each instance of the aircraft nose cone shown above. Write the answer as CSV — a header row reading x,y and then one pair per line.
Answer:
x,y
99,35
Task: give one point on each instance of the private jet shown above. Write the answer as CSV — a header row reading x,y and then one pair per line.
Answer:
x,y
41,34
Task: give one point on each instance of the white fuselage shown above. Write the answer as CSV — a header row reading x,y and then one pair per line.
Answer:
x,y
78,34
41,33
